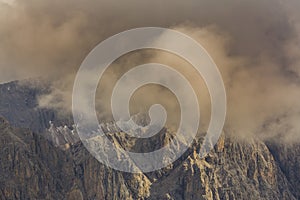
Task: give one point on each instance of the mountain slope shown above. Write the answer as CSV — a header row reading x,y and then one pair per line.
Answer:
x,y
32,168
19,105
47,161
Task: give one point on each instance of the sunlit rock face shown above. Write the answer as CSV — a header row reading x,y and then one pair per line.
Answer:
x,y
47,160
61,136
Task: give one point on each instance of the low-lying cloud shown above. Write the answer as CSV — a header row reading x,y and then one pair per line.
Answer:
x,y
254,43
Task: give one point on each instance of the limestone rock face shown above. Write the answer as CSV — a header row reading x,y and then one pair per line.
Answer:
x,y
42,160
287,157
239,170
33,168
19,105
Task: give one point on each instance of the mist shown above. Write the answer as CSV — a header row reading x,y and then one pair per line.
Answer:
x,y
256,45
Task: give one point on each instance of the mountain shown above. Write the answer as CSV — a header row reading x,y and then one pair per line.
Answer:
x,y
32,168
19,105
42,160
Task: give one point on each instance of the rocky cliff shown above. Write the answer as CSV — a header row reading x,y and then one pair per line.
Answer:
x,y
19,105
33,168
47,161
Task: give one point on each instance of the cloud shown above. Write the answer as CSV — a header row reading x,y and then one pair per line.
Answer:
x,y
254,43
54,36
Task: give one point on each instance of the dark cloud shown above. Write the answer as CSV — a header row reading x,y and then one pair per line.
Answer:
x,y
255,43
51,35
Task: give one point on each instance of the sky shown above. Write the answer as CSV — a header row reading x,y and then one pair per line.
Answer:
x,y
256,45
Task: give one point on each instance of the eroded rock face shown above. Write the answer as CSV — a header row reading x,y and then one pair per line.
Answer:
x,y
19,105
234,170
33,168
287,157
52,163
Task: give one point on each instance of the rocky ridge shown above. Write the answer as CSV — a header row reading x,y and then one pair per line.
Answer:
x,y
33,168
53,163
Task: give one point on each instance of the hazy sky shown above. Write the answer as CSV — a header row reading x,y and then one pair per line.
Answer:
x,y
255,43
